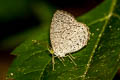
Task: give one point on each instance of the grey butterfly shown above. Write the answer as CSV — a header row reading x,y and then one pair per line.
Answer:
x,y
67,35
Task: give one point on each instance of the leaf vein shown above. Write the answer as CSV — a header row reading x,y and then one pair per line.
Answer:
x,y
116,15
99,37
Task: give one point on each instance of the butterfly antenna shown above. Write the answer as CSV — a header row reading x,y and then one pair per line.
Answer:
x,y
71,58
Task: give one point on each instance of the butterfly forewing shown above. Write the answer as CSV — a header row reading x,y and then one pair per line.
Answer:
x,y
66,34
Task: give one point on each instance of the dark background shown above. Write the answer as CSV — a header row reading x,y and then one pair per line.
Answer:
x,y
17,16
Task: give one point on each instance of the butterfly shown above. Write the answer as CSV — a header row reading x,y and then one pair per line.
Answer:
x,y
67,35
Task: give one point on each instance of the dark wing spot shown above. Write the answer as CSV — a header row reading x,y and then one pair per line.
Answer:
x,y
74,31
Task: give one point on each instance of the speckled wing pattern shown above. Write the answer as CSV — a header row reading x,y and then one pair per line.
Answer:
x,y
66,34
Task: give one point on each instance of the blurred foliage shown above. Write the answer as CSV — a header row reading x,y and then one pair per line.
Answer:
x,y
12,8
99,60
21,19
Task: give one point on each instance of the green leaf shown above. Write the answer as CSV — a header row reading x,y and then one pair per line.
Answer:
x,y
99,60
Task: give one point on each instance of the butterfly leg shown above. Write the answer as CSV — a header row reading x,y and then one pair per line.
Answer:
x,y
71,58
53,57
61,59
53,62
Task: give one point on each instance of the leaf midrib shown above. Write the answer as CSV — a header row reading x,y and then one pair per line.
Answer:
x,y
99,37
